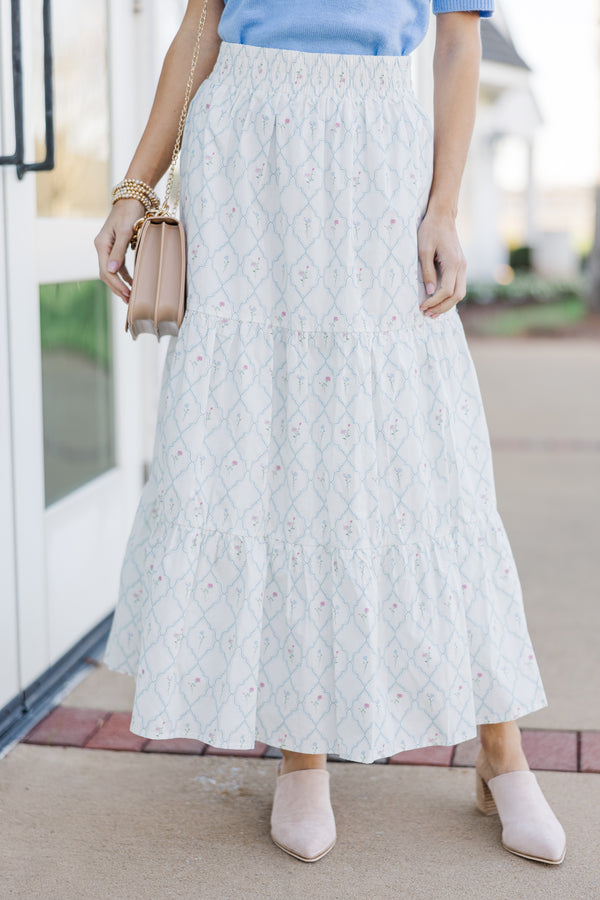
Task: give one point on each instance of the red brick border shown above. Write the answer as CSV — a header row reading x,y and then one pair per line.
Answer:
x,y
589,751
67,726
96,729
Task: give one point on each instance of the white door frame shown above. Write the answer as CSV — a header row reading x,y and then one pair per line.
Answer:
x,y
60,565
9,662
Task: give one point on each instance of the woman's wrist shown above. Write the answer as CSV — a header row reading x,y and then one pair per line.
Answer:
x,y
134,188
442,209
131,200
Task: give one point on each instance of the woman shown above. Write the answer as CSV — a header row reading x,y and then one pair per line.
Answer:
x,y
317,560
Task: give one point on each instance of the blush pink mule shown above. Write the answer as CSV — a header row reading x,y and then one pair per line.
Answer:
x,y
529,827
302,820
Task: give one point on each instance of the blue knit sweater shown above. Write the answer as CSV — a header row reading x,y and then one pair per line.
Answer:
x,y
379,27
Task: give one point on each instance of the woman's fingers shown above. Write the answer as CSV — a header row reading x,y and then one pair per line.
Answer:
x,y
461,282
116,259
125,290
456,290
446,286
111,245
104,242
103,247
426,249
439,247
430,276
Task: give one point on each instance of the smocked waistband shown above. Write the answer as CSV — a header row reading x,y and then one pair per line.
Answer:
x,y
252,67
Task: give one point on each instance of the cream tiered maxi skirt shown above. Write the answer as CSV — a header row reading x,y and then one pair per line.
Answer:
x,y
317,560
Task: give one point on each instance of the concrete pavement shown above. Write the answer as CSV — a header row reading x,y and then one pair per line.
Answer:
x,y
542,402
95,824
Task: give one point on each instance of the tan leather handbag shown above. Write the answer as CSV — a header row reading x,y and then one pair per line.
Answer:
x,y
157,300
158,290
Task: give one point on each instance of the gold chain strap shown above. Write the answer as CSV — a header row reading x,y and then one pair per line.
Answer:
x,y
164,210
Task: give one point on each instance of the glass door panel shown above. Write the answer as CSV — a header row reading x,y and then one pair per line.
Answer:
x,y
78,186
77,385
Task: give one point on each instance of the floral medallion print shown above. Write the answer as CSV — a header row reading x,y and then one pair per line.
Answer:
x,y
317,560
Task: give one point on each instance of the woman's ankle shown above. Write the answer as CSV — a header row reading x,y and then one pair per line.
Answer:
x,y
501,747
293,762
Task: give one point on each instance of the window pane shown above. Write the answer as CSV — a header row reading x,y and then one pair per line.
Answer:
x,y
77,384
78,186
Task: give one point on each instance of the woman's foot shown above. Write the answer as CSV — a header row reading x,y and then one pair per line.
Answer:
x,y
505,785
302,820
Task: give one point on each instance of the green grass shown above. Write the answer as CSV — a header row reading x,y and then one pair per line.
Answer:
x,y
76,316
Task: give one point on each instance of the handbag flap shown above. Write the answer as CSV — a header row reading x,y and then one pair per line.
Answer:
x,y
159,276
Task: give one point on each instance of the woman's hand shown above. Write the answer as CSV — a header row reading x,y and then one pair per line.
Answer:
x,y
111,244
440,250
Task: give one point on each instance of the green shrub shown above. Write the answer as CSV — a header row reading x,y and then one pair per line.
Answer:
x,y
526,287
76,316
520,258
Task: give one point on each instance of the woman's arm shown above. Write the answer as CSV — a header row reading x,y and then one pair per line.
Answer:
x,y
456,64
153,154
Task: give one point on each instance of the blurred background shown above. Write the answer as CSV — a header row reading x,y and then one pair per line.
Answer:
x,y
78,398
529,195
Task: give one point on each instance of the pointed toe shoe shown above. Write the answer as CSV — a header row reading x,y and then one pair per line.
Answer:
x,y
529,826
302,820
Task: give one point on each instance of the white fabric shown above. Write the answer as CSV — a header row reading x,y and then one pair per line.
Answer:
x,y
317,560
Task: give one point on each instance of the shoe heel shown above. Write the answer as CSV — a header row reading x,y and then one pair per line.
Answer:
x,y
485,800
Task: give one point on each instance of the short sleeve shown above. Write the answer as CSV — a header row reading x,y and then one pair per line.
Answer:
x,y
484,7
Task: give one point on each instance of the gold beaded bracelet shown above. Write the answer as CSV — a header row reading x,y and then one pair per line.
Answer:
x,y
133,188
136,185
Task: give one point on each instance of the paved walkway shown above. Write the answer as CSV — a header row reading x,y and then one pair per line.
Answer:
x,y
87,825
81,820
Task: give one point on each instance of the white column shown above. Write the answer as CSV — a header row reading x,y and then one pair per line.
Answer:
x,y
482,246
530,198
